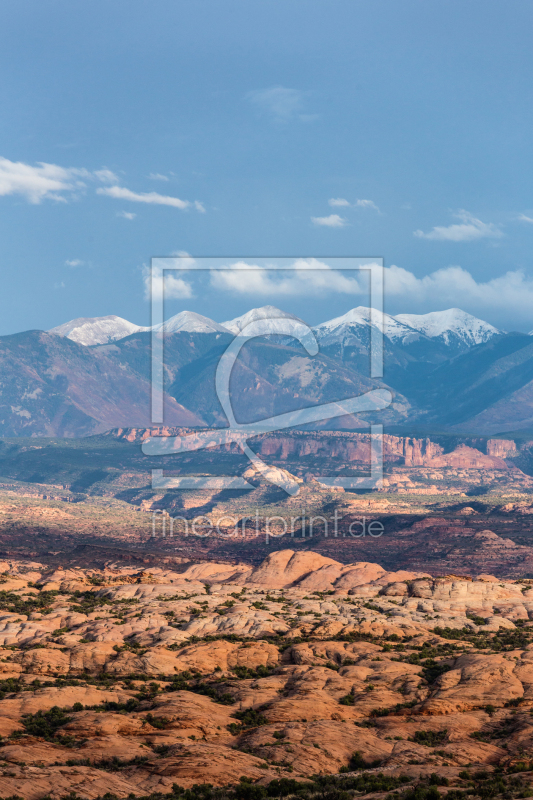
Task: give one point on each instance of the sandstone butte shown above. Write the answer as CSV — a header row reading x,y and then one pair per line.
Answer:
x,y
132,683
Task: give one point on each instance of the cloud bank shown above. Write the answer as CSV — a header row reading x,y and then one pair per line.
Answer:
x,y
511,292
508,295
308,277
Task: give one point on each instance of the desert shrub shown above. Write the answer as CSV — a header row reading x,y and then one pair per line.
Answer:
x,y
384,712
250,791
358,762
516,701
210,691
503,640
320,787
424,793
39,602
111,705
113,764
157,722
451,633
45,724
249,718
185,682
10,686
347,700
434,669
475,619
429,738
161,749
246,673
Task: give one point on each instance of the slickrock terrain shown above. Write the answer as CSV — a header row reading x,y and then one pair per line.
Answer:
x,y
144,682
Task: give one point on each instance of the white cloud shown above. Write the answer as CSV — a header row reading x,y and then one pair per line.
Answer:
x,y
74,262
280,103
156,176
59,285
41,182
339,201
173,288
333,221
307,277
523,218
162,281
52,182
469,229
106,176
126,214
177,288
366,204
181,259
121,193
47,181
510,293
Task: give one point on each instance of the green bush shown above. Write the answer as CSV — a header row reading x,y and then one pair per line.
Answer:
x,y
358,762
45,724
347,700
429,738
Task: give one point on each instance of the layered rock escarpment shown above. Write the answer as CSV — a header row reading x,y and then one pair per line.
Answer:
x,y
346,446
221,671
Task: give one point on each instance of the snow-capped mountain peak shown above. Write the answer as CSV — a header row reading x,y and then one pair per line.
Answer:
x,y
268,314
452,326
96,330
341,328
191,322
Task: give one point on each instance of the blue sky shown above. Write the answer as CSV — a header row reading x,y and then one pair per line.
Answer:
x,y
238,129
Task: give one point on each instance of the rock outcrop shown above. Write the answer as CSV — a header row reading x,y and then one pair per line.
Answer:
x,y
286,669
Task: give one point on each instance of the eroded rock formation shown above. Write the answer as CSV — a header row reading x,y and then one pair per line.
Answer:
x,y
289,668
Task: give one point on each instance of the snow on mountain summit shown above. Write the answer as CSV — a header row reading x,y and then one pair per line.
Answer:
x,y
96,330
453,326
103,330
269,315
191,322
341,328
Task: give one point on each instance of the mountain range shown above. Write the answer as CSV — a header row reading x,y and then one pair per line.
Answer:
x,y
446,370
454,328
